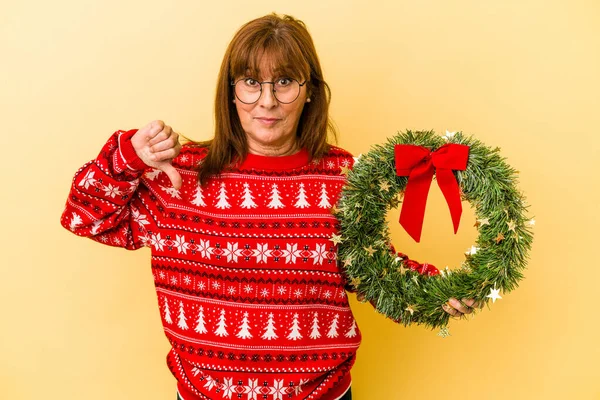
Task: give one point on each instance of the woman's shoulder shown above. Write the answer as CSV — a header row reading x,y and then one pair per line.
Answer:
x,y
343,156
190,155
334,159
336,151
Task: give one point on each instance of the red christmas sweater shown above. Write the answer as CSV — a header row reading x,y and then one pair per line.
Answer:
x,y
250,293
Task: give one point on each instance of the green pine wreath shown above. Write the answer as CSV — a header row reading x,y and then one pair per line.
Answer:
x,y
495,263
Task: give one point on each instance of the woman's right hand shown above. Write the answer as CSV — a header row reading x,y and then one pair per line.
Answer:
x,y
156,144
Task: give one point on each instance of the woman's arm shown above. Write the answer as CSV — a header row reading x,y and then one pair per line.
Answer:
x,y
423,269
99,205
103,204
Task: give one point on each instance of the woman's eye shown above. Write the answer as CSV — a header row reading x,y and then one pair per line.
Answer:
x,y
251,82
284,81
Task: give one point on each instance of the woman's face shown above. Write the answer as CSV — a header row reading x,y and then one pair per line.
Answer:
x,y
270,126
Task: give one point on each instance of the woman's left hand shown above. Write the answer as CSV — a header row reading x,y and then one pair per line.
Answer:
x,y
458,309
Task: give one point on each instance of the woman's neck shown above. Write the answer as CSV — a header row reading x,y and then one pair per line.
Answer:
x,y
285,149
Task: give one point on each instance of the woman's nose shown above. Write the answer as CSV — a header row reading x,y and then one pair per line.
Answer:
x,y
267,98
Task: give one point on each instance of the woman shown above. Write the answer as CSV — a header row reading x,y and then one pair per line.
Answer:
x,y
250,293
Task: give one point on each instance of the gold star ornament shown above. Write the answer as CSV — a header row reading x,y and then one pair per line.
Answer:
x,y
444,332
511,225
335,209
499,238
336,239
370,250
481,222
401,269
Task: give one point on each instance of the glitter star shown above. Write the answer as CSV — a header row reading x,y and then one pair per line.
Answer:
x,y
355,282
348,261
394,202
494,294
384,186
401,269
448,135
532,222
444,332
344,170
335,209
415,279
511,225
472,251
411,309
481,222
336,239
499,238
370,250
357,159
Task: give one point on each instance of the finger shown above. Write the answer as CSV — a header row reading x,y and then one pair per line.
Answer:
x,y
154,128
473,303
163,134
173,175
459,306
164,155
168,143
450,310
470,303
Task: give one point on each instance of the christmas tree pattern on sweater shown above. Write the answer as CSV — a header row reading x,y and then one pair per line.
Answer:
x,y
248,286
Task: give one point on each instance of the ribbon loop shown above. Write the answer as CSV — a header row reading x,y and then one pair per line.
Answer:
x,y
419,164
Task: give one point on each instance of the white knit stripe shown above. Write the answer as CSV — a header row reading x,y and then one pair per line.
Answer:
x,y
258,177
350,345
245,215
327,274
234,304
122,157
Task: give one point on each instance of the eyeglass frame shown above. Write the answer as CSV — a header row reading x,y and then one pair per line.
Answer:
x,y
233,83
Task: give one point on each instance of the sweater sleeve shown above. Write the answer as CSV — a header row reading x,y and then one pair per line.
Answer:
x,y
423,269
100,204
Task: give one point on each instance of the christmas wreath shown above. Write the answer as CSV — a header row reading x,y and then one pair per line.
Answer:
x,y
465,169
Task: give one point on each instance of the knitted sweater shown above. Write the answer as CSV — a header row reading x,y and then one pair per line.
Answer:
x,y
249,289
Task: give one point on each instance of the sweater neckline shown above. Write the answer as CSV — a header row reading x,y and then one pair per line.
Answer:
x,y
256,161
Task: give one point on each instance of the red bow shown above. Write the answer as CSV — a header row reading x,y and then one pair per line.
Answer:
x,y
418,163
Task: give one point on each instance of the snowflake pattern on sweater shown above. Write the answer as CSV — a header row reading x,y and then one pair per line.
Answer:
x,y
248,284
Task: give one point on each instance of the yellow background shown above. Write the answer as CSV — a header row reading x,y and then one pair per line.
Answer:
x,y
79,320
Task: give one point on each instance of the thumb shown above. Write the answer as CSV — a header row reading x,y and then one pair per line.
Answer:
x,y
173,174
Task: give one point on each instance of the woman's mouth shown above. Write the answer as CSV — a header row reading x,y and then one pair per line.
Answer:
x,y
268,121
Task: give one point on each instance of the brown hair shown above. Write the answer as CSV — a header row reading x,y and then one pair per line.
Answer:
x,y
291,49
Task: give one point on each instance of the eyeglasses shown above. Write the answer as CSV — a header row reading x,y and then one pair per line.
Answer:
x,y
285,90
